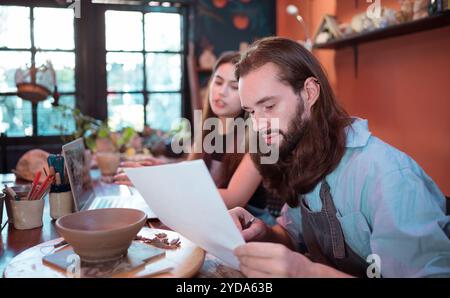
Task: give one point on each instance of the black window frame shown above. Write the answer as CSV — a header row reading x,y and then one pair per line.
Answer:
x,y
183,52
33,51
90,70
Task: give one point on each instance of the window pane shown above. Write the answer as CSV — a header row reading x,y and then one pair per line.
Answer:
x,y
123,30
9,63
56,120
53,28
64,65
125,71
15,116
126,110
163,110
163,72
162,32
15,27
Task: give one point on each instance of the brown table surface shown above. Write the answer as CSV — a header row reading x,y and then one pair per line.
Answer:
x,y
13,241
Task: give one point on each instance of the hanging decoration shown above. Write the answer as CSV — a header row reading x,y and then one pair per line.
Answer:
x,y
241,21
35,84
220,3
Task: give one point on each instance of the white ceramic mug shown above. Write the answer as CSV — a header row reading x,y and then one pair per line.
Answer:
x,y
27,214
61,203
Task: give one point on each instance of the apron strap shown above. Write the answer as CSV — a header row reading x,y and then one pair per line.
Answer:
x,y
324,237
337,236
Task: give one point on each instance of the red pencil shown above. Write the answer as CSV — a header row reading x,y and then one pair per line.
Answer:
x,y
43,192
37,176
44,186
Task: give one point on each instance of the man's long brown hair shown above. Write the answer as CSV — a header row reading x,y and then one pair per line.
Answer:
x,y
231,160
312,148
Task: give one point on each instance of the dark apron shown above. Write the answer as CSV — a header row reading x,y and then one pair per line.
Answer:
x,y
324,238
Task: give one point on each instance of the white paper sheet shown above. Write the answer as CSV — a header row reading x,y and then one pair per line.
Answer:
x,y
185,198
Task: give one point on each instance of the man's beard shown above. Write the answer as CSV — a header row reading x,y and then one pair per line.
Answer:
x,y
277,175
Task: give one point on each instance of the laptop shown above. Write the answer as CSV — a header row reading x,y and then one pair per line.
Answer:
x,y
83,192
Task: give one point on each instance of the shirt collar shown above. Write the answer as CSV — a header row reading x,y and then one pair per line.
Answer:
x,y
358,133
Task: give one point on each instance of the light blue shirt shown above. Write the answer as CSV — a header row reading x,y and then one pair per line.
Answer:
x,y
387,205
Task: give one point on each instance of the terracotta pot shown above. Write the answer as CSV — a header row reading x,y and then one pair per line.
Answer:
x,y
103,234
108,162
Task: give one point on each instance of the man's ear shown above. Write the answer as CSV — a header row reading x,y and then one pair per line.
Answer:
x,y
310,92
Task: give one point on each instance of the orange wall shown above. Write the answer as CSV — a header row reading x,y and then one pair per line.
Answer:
x,y
403,85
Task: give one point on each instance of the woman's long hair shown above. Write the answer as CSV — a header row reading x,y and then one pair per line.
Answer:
x,y
231,160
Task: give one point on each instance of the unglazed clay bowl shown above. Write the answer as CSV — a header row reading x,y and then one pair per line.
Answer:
x,y
101,235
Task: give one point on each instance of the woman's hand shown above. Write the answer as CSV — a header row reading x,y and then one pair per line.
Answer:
x,y
122,179
149,161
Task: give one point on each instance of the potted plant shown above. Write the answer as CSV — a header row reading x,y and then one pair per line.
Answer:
x,y
105,144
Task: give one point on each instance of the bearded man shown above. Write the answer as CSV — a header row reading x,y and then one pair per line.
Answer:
x,y
356,206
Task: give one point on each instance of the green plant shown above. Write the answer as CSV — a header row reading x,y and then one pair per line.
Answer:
x,y
91,129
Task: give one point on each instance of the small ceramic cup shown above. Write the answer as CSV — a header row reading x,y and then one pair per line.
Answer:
x,y
27,214
61,203
21,191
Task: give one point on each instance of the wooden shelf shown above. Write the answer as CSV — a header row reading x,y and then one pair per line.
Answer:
x,y
425,24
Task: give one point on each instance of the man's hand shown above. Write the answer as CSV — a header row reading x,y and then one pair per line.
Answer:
x,y
257,229
264,259
267,260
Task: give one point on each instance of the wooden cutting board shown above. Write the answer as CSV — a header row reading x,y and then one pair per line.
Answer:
x,y
182,262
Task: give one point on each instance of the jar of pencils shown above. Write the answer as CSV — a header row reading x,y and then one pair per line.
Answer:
x,y
61,201
13,193
27,214
26,208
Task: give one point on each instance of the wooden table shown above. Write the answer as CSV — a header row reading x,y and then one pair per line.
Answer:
x,y
15,241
